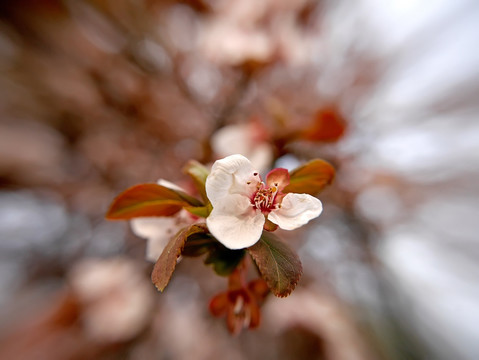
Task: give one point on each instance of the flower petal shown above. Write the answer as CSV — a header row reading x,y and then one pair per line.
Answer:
x,y
237,229
232,175
154,248
254,314
278,177
219,304
232,139
259,288
248,139
261,156
295,211
157,230
147,227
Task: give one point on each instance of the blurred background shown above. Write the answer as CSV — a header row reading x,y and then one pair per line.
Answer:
x,y
99,95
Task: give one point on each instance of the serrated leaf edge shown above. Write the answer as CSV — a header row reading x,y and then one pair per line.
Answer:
x,y
268,279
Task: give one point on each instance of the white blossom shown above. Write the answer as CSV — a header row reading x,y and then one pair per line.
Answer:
x,y
248,139
242,202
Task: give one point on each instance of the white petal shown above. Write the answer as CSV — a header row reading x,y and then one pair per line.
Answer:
x,y
232,139
232,175
159,230
155,246
236,232
296,210
261,156
147,227
240,139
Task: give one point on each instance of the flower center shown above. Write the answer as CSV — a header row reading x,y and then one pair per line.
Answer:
x,y
264,197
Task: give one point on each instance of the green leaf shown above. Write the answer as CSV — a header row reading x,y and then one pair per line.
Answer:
x,y
166,263
279,266
198,244
188,198
201,211
224,260
147,200
310,178
198,172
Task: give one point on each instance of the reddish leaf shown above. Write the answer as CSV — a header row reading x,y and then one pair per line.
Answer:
x,y
146,200
166,263
198,172
279,266
328,125
310,178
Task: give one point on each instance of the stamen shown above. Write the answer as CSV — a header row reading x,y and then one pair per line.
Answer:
x,y
264,197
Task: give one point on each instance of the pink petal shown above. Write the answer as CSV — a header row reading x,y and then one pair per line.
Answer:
x,y
219,304
278,177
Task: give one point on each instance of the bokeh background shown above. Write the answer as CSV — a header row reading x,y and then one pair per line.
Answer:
x,y
99,95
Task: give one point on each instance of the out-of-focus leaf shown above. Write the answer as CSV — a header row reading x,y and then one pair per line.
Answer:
x,y
328,125
166,263
224,260
188,198
279,266
201,211
146,200
198,172
198,244
310,178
